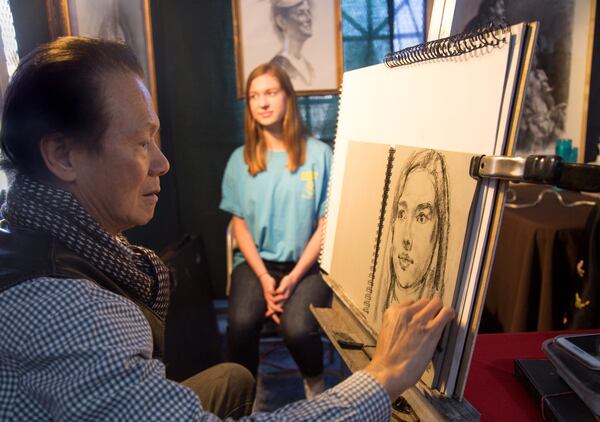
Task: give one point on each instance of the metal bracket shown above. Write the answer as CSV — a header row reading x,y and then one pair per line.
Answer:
x,y
538,169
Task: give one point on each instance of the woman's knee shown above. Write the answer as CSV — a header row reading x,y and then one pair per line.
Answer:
x,y
246,301
297,332
244,324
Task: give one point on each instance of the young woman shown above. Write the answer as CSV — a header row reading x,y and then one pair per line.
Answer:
x,y
275,188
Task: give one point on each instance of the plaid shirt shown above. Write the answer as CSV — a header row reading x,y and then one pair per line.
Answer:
x,y
71,350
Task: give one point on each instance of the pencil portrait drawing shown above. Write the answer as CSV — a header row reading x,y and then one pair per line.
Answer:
x,y
414,257
301,36
118,20
558,83
292,22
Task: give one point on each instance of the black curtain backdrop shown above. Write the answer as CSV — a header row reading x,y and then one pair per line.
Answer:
x,y
200,118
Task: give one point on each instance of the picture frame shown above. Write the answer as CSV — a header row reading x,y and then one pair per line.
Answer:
x,y
304,36
119,20
557,97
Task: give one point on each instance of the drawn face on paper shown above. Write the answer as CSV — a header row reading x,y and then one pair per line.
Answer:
x,y
294,22
300,18
413,232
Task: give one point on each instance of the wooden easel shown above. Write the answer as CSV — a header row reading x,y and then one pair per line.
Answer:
x,y
417,403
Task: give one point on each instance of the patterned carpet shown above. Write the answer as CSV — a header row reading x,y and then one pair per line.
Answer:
x,y
279,381
277,387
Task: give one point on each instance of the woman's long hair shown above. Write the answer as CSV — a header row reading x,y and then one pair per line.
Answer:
x,y
432,282
255,150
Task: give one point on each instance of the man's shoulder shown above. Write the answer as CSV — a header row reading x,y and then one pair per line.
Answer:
x,y
38,313
282,61
49,295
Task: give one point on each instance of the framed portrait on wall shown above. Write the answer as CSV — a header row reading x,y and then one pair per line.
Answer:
x,y
557,92
119,20
303,36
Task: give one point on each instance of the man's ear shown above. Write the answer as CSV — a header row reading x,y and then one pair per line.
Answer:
x,y
57,152
281,23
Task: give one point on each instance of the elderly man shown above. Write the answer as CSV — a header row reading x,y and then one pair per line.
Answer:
x,y
81,309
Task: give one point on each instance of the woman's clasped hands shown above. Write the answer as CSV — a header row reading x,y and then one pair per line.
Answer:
x,y
276,296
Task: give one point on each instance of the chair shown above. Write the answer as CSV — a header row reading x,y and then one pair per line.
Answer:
x,y
230,247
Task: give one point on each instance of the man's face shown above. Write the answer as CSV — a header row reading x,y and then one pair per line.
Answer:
x,y
413,240
298,21
119,185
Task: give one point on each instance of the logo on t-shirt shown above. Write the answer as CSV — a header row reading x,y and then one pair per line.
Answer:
x,y
309,178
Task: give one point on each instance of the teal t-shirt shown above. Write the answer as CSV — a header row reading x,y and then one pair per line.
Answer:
x,y
281,209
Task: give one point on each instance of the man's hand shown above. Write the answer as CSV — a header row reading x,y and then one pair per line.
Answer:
x,y
268,285
407,340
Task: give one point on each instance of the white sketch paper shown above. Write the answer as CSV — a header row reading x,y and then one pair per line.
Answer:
x,y
424,228
360,209
402,229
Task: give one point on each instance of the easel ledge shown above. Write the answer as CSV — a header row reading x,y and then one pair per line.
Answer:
x,y
425,404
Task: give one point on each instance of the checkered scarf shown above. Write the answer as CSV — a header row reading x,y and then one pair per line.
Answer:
x,y
34,205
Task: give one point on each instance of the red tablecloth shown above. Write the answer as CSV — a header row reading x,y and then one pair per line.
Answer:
x,y
492,387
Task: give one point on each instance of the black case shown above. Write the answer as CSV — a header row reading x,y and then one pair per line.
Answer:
x,y
557,401
192,340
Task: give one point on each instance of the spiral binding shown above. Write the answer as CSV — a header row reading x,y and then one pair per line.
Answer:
x,y
386,189
489,35
329,185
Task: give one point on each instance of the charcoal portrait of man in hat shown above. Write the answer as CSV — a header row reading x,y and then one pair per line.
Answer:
x,y
303,37
293,24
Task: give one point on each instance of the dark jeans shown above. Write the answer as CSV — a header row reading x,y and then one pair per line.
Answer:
x,y
298,328
227,390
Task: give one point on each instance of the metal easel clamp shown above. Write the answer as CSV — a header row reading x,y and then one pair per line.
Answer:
x,y
535,168
538,169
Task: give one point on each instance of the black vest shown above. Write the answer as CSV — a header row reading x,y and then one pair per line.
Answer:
x,y
27,254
